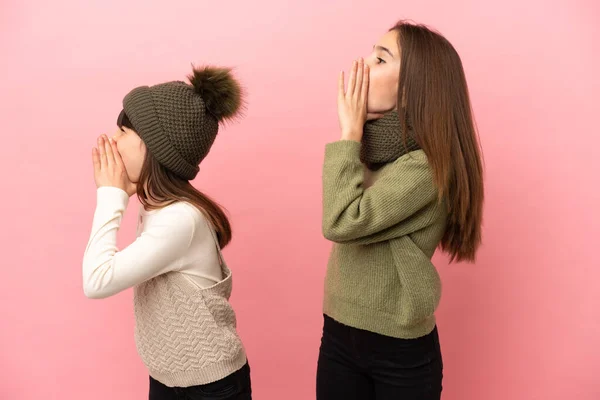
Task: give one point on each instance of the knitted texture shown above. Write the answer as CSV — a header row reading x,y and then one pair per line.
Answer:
x,y
172,121
380,277
185,335
382,141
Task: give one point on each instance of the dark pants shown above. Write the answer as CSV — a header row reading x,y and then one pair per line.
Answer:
x,y
362,365
233,387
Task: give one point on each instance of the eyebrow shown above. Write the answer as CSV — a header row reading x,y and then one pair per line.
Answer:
x,y
377,47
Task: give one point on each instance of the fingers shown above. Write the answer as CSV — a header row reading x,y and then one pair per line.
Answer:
x,y
116,154
110,158
364,90
95,159
102,152
352,79
341,85
359,78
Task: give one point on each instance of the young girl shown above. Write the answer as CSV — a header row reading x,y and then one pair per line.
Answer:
x,y
422,188
185,327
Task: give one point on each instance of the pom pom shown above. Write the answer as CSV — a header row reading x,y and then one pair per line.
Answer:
x,y
221,92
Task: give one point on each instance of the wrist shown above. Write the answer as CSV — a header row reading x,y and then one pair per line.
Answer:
x,y
354,135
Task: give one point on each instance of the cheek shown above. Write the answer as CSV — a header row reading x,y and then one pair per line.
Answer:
x,y
121,150
383,90
142,150
138,154
132,159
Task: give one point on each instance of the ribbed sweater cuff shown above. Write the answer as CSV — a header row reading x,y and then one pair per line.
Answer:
x,y
112,195
109,200
346,149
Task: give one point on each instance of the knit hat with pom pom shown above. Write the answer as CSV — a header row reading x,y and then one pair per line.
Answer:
x,y
179,122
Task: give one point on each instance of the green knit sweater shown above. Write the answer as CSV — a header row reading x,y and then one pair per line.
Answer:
x,y
380,277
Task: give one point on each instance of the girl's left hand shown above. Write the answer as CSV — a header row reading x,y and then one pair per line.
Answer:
x,y
109,169
352,102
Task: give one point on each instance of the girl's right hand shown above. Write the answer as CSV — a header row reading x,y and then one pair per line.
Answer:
x,y
352,101
109,169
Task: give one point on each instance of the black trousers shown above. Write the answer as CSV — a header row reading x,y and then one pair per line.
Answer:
x,y
233,387
359,365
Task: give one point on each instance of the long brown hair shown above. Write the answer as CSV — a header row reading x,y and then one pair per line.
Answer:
x,y
433,95
158,187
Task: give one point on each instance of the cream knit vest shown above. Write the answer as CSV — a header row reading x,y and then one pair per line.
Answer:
x,y
186,335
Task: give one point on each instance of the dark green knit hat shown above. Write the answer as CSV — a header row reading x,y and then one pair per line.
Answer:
x,y
179,122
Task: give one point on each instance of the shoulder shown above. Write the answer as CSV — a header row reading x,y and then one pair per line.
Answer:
x,y
187,216
413,162
180,217
415,157
180,222
182,210
410,170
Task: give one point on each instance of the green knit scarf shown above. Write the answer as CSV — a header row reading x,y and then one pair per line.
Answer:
x,y
382,141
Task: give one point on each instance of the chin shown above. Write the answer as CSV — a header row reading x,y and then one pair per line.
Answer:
x,y
378,108
374,109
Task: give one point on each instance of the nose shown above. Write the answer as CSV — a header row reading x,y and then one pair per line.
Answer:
x,y
117,135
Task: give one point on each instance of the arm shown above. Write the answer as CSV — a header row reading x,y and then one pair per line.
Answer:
x,y
108,271
388,209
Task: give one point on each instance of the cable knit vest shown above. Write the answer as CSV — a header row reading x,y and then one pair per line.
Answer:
x,y
186,335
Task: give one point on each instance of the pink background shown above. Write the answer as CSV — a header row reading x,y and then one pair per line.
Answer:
x,y
523,323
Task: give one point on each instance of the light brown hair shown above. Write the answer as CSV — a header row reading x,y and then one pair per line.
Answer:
x,y
158,187
433,95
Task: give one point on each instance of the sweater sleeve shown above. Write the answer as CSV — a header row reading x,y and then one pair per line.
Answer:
x,y
108,271
353,214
